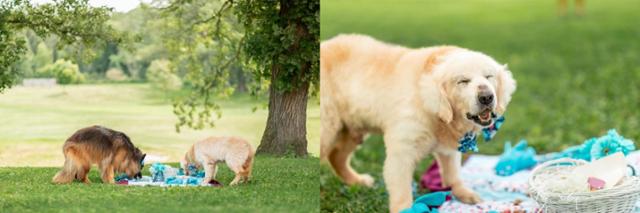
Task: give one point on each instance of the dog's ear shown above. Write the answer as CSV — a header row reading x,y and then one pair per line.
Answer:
x,y
506,87
143,156
434,93
445,112
435,99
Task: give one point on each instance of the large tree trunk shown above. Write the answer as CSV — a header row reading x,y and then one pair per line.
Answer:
x,y
286,131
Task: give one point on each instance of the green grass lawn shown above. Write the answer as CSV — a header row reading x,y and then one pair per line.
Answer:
x,y
37,121
578,76
278,185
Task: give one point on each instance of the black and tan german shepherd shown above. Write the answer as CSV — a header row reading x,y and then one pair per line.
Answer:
x,y
111,150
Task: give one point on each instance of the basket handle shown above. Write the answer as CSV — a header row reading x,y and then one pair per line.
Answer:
x,y
633,170
557,161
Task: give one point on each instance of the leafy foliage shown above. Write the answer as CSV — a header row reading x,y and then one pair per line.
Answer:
x,y
250,35
115,74
160,75
64,71
202,39
288,42
73,21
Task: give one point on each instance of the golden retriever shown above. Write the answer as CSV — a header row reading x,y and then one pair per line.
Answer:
x,y
235,152
422,100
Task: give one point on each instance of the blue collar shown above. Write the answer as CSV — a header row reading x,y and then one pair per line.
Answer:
x,y
468,142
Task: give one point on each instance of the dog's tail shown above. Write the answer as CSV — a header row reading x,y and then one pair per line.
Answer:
x,y
69,171
247,165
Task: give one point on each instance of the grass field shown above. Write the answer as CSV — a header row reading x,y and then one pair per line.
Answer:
x,y
36,121
578,76
27,189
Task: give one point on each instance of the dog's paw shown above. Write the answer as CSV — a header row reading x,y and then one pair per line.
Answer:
x,y
366,180
466,195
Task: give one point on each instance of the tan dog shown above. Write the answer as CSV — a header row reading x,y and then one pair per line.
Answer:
x,y
422,100
109,149
235,152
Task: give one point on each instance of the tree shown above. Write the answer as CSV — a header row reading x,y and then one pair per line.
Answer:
x,y
162,77
64,71
279,43
284,36
73,21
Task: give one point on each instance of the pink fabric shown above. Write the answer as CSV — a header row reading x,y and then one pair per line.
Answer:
x,y
432,180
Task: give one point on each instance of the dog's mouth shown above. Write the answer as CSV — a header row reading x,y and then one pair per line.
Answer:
x,y
484,118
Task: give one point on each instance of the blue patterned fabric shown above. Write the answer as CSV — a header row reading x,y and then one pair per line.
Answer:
x,y
468,142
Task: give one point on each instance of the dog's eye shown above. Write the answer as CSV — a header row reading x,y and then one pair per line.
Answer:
x,y
488,76
464,81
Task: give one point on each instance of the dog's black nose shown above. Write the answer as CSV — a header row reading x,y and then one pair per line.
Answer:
x,y
485,99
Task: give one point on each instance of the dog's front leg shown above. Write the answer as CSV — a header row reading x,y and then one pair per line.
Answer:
x,y
449,166
107,173
209,172
398,172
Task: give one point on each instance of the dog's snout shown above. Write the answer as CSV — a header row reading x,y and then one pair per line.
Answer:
x,y
485,98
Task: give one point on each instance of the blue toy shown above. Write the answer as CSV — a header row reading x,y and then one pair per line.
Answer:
x,y
516,158
428,203
595,148
522,157
157,172
468,142
193,171
489,132
173,180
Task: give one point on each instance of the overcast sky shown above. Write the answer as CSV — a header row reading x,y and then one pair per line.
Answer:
x,y
118,5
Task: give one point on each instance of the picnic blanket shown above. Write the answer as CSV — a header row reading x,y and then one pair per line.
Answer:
x,y
164,176
502,193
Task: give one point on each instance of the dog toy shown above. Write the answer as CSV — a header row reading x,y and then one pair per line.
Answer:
x,y
215,183
595,148
193,171
157,172
468,142
432,180
489,132
428,203
516,158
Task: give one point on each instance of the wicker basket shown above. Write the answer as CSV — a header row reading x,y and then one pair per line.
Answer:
x,y
620,198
